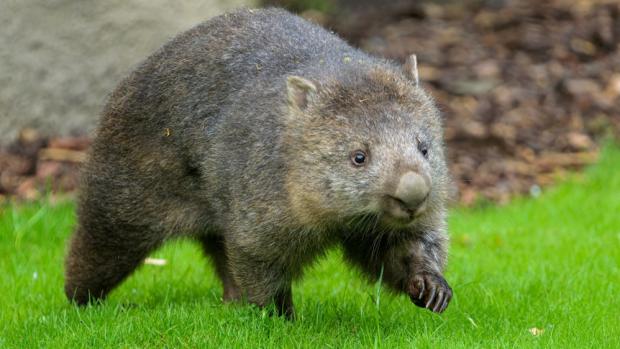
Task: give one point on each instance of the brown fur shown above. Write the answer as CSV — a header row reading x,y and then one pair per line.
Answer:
x,y
240,133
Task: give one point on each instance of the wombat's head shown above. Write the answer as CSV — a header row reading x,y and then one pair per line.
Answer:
x,y
365,142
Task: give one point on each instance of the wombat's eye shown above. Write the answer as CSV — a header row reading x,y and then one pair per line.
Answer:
x,y
358,158
423,148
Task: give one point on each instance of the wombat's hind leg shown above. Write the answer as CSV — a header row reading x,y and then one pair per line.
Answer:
x,y
214,247
98,263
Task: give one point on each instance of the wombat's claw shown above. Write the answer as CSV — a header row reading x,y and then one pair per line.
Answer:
x,y
430,291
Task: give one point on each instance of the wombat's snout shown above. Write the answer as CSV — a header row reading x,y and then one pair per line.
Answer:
x,y
408,199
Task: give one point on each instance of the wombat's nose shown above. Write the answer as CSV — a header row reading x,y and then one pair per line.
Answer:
x,y
412,190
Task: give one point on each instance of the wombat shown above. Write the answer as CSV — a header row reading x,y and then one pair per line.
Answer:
x,y
269,140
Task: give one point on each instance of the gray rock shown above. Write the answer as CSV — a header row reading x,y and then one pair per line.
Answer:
x,y
60,59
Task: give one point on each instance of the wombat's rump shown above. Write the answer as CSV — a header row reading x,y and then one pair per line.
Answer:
x,y
267,139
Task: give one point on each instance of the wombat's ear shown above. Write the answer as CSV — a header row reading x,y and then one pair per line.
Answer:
x,y
300,91
411,69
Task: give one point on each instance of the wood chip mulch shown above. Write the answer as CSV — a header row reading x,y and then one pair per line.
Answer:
x,y
34,165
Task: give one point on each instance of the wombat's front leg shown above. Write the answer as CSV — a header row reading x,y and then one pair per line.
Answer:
x,y
215,248
262,279
425,283
411,265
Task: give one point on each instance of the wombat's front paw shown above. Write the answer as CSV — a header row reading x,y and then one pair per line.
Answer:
x,y
430,291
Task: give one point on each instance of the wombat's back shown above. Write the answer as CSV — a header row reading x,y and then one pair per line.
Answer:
x,y
219,84
198,72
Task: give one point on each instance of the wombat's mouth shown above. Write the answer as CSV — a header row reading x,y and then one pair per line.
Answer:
x,y
397,213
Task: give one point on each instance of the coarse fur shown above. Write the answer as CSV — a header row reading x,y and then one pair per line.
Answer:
x,y
239,133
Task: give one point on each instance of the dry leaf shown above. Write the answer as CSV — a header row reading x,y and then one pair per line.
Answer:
x,y
535,331
155,261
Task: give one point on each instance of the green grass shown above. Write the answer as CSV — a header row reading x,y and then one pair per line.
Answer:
x,y
551,263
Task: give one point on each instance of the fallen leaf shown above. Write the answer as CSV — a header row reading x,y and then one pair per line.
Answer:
x,y
535,331
155,261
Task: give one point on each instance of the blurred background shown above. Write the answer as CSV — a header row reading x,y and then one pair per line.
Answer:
x,y
529,89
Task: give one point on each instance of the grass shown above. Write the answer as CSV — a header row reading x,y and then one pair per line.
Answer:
x,y
550,263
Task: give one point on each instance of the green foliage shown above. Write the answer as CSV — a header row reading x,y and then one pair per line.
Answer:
x,y
298,6
551,263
